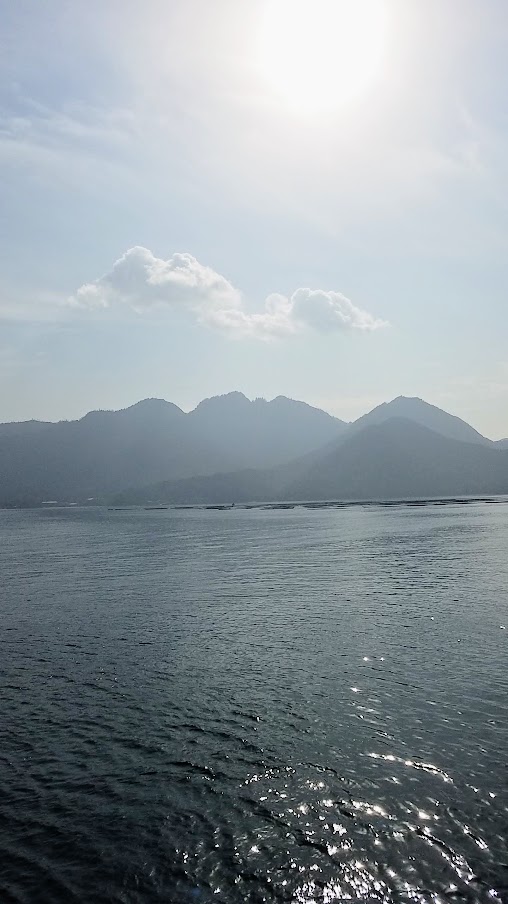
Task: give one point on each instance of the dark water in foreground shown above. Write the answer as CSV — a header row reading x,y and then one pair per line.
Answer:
x,y
304,706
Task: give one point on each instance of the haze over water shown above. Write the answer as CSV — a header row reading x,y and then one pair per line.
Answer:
x,y
254,705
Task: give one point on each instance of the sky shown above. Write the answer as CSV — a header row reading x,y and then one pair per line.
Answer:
x,y
283,198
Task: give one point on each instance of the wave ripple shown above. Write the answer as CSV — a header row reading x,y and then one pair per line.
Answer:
x,y
262,706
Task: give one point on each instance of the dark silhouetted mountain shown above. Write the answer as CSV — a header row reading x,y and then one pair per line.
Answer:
x,y
249,485
230,449
413,409
424,414
22,428
100,453
399,458
152,441
501,444
261,434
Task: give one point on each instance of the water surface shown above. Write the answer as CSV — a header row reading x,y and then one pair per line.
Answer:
x,y
300,706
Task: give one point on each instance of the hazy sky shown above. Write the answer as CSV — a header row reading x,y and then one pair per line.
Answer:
x,y
204,196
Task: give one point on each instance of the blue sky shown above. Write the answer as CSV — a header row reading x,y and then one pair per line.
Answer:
x,y
175,226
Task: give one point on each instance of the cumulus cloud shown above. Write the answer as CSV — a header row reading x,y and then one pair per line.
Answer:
x,y
141,280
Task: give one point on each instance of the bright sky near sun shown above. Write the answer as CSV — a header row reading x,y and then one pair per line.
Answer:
x,y
297,197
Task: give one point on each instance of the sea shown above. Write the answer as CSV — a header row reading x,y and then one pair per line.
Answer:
x,y
254,705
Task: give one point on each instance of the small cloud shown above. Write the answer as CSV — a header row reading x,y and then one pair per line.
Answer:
x,y
326,311
141,280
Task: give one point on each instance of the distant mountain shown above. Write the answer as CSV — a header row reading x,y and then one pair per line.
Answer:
x,y
261,434
501,443
249,485
22,428
230,449
413,409
101,453
153,441
395,459
424,414
400,458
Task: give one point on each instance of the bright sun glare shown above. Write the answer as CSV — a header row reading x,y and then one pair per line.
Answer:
x,y
318,55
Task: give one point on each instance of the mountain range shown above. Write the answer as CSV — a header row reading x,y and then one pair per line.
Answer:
x,y
108,451
231,449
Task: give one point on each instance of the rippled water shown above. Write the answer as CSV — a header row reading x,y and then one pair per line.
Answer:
x,y
254,705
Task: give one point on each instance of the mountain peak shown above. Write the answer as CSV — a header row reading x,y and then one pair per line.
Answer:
x,y
396,457
152,404
144,408
220,401
426,415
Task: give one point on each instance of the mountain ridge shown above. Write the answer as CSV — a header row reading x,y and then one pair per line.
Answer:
x,y
106,451
424,413
401,458
153,402
230,444
358,469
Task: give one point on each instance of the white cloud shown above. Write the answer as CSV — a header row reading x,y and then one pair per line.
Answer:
x,y
141,280
326,311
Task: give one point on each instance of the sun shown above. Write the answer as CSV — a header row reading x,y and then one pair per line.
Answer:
x,y
318,55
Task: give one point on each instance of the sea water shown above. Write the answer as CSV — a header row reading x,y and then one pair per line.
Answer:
x,y
254,705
